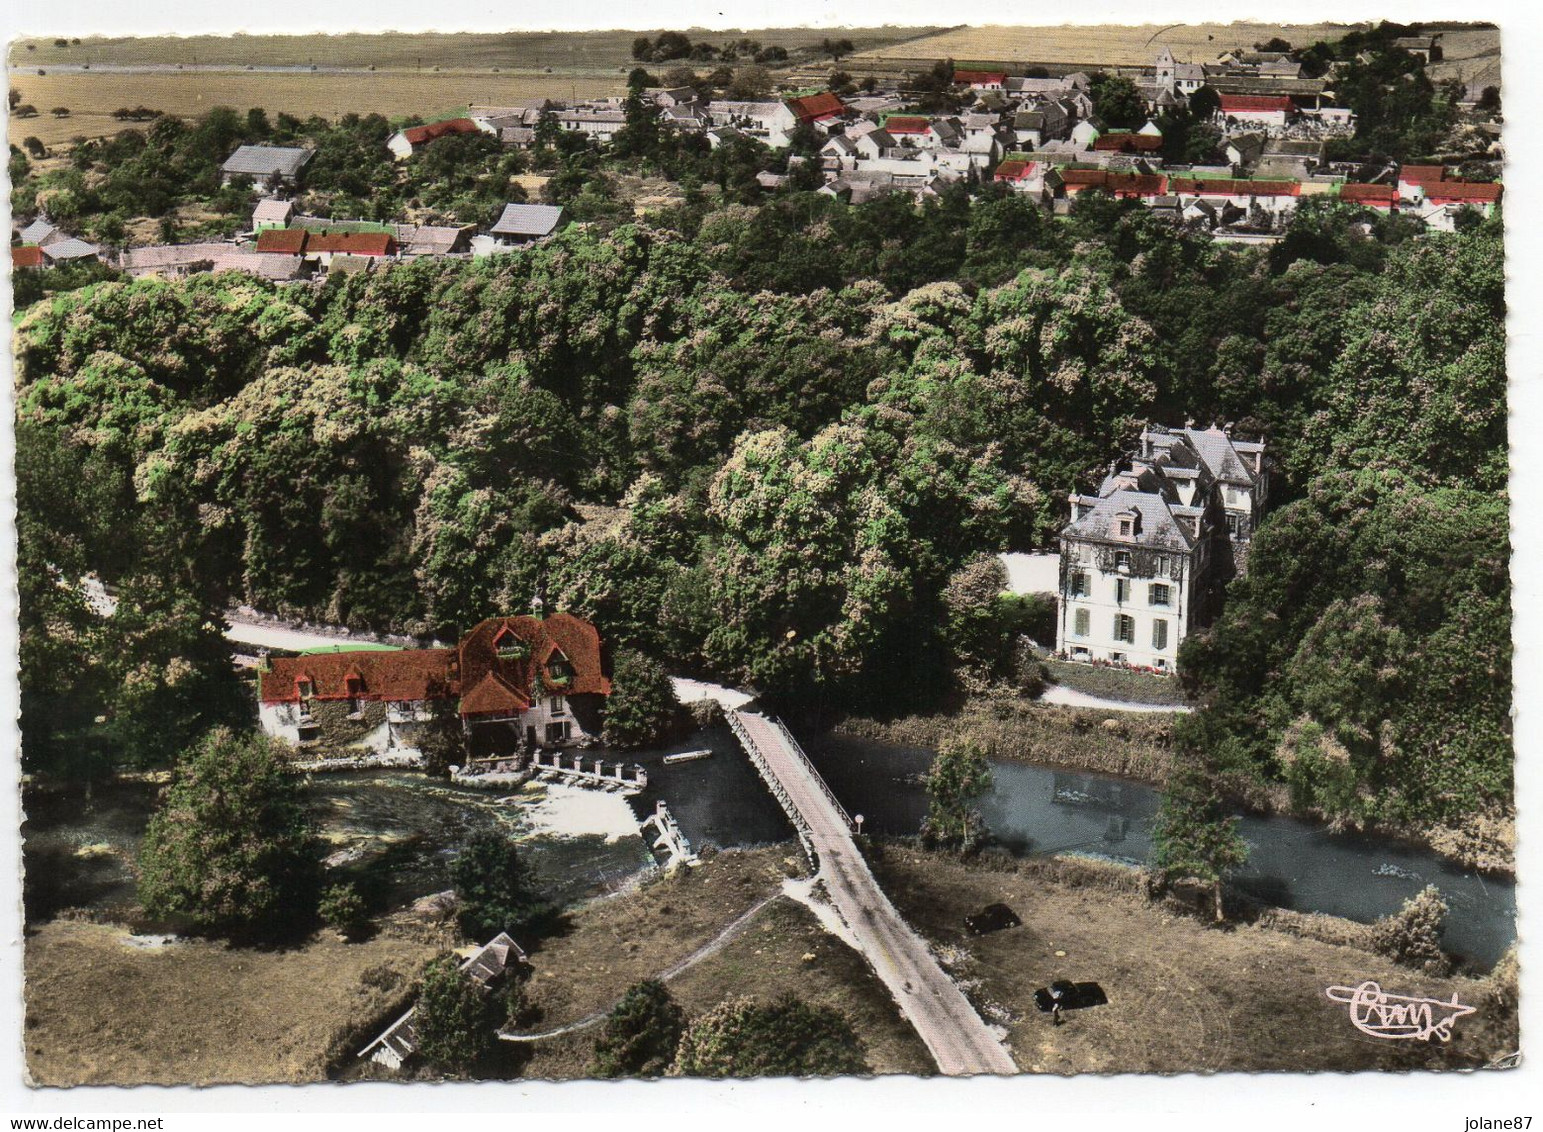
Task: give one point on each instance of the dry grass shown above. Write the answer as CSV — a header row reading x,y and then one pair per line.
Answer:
x,y
1108,45
612,48
100,1012
1183,995
766,960
91,98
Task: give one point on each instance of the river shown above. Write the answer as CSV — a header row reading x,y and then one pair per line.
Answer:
x,y
395,832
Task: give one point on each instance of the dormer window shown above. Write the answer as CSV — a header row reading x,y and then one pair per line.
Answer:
x,y
510,647
304,688
1127,524
353,684
559,669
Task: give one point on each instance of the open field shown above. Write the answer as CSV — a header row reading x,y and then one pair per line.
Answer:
x,y
91,98
102,1012
461,50
1184,995
1110,46
1470,55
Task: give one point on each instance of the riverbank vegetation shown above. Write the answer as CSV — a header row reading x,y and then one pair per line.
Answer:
x,y
1111,683
1011,727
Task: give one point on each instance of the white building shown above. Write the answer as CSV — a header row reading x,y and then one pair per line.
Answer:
x,y
1143,560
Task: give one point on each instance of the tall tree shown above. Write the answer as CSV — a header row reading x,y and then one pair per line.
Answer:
x,y
231,844
642,1033
959,777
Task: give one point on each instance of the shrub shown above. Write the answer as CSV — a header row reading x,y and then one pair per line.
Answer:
x,y
1412,935
342,907
789,1038
456,1020
495,887
641,1036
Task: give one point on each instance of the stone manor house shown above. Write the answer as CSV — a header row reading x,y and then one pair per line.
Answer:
x,y
513,683
1144,561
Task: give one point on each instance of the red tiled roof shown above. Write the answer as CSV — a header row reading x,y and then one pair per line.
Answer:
x,y
816,107
1137,184
303,241
541,641
417,135
26,256
352,243
1128,143
1422,174
1466,192
907,125
493,684
1379,196
411,674
1120,184
983,77
1227,187
1255,103
493,695
285,241
1015,170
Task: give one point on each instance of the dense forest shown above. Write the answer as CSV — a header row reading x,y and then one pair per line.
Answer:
x,y
757,442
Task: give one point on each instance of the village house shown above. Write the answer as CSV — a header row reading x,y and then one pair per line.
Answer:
x,y
271,167
821,111
404,143
510,686
521,225
768,122
272,213
1036,179
1143,560
175,261
599,123
321,245
981,80
1261,110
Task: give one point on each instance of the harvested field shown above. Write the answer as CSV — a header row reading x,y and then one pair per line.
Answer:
x,y
1108,46
1184,995
1470,55
103,1012
91,98
464,50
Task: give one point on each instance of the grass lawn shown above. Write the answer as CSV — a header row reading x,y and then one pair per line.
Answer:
x,y
1116,683
1184,995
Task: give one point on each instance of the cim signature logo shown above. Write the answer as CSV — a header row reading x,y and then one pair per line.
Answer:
x,y
1398,1017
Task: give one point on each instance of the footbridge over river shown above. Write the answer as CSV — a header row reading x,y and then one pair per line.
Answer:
x,y
954,1034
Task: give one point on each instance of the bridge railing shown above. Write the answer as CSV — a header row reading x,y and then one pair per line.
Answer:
x,y
793,745
819,778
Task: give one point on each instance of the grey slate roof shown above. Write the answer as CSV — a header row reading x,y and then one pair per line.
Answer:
x,y
266,160
39,232
1215,448
527,220
1159,530
70,248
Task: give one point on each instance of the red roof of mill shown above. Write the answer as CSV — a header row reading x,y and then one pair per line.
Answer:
x,y
905,124
1464,192
285,241
1016,170
1422,174
302,241
494,670
26,256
